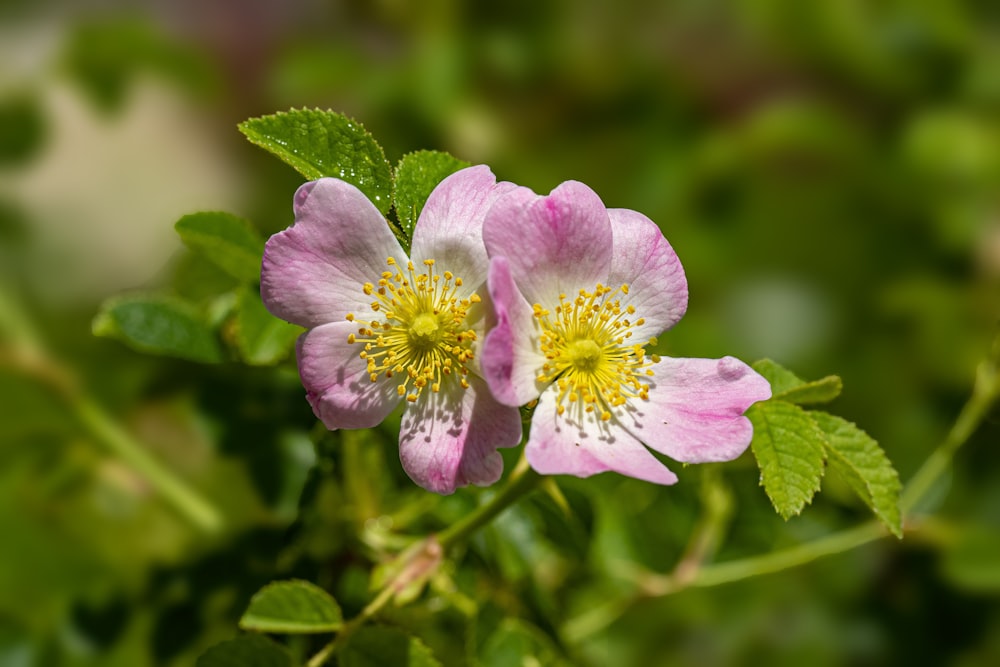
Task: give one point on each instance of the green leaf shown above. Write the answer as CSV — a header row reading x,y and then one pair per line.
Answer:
x,y
417,174
864,466
324,143
786,386
377,646
160,325
781,378
261,338
789,447
516,644
823,390
292,607
227,240
246,651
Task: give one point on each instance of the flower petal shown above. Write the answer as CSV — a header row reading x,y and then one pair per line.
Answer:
x,y
645,261
336,379
509,357
559,445
559,243
450,227
313,272
450,439
695,409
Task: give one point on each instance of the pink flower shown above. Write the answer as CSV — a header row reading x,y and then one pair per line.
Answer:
x,y
384,328
579,291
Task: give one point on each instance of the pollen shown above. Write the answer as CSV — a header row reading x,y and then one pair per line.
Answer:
x,y
419,336
589,356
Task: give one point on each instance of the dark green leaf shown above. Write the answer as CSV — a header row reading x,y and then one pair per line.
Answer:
x,y
786,386
293,607
246,651
789,447
379,646
262,338
160,325
417,174
864,466
324,143
227,240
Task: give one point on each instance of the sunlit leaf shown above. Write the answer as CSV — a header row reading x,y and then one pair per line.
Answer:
x,y
324,143
293,607
262,338
786,386
158,324
789,447
246,651
379,646
864,466
417,174
227,240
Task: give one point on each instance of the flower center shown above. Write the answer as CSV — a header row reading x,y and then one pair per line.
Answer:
x,y
587,353
422,338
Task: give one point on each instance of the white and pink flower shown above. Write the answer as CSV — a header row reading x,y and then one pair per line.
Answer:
x,y
579,292
384,328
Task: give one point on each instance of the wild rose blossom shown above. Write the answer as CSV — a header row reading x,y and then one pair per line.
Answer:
x,y
580,291
384,328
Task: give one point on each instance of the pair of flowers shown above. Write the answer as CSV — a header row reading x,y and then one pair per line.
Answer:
x,y
506,298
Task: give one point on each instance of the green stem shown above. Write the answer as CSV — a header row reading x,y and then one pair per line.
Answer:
x,y
724,573
351,627
103,428
984,394
691,573
522,481
25,353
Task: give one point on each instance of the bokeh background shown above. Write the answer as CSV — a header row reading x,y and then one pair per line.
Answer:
x,y
828,171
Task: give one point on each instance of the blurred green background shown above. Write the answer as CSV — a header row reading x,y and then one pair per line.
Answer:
x,y
828,172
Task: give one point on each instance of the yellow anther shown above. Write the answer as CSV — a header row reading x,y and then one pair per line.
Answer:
x,y
422,336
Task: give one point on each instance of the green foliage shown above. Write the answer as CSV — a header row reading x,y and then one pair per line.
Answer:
x,y
261,338
105,57
970,559
246,651
292,607
416,175
324,143
792,445
227,240
158,324
514,641
22,128
864,466
788,446
377,646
